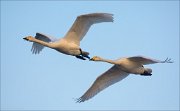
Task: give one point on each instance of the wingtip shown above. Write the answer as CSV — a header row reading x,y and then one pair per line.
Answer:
x,y
113,20
79,100
39,34
167,60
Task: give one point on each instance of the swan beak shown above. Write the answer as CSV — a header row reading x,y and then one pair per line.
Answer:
x,y
25,38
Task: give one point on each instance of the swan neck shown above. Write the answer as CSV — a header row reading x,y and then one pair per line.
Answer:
x,y
43,43
108,61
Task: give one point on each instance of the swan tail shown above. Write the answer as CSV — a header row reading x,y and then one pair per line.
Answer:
x,y
147,72
85,53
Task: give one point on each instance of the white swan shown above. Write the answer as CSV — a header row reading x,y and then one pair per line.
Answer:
x,y
121,69
70,44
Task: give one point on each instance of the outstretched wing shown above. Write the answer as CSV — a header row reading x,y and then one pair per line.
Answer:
x,y
83,23
36,48
145,60
110,77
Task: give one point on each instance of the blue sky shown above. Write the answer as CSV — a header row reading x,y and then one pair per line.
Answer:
x,y
52,80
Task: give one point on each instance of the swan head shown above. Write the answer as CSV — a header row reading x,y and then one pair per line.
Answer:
x,y
96,58
28,38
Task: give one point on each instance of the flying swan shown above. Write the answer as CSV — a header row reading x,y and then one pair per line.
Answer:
x,y
70,43
122,68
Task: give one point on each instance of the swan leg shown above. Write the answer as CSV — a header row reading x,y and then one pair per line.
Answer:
x,y
146,74
80,57
84,54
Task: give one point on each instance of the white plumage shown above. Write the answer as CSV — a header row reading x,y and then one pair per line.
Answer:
x,y
70,44
121,69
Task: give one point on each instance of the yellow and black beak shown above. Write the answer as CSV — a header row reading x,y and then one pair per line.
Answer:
x,y
25,38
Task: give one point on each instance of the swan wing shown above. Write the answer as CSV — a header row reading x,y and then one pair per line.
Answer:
x,y
83,23
110,77
36,48
145,60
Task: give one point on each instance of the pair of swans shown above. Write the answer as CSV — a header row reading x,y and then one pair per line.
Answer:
x,y
70,45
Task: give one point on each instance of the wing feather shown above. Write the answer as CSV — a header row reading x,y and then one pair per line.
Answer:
x,y
37,48
145,60
83,23
110,77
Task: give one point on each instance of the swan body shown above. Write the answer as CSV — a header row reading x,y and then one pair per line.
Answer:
x,y
121,69
70,43
125,64
68,48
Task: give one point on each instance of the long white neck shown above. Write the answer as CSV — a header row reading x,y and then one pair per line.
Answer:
x,y
108,61
43,43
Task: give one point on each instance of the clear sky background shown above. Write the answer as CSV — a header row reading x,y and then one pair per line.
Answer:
x,y
51,80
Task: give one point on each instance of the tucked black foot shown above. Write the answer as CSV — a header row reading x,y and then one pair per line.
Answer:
x,y
80,57
146,74
87,57
84,54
